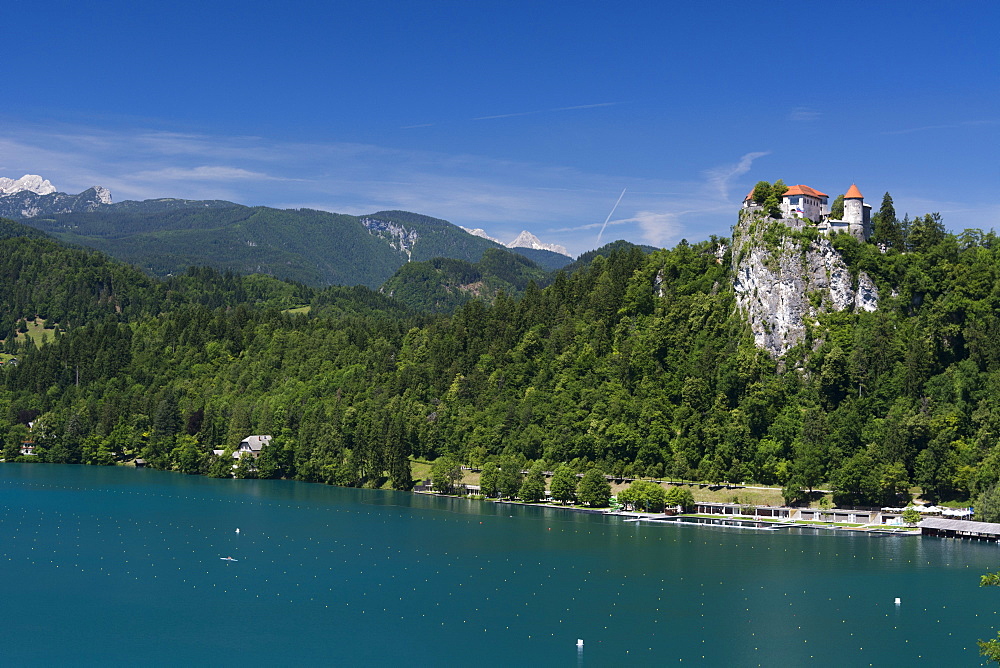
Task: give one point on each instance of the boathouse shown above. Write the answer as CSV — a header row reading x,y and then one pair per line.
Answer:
x,y
714,508
938,526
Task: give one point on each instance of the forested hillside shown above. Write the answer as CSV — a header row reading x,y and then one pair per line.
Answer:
x,y
311,247
636,363
441,285
166,236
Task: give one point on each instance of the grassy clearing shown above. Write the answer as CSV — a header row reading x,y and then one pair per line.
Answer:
x,y
420,469
716,494
304,310
37,333
701,492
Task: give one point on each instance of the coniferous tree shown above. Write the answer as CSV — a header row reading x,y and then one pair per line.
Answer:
x,y
887,229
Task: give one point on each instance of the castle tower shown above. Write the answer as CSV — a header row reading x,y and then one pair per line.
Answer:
x,y
856,215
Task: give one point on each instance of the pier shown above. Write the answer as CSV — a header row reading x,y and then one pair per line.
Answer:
x,y
938,526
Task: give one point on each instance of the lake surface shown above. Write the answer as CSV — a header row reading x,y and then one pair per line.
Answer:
x,y
123,566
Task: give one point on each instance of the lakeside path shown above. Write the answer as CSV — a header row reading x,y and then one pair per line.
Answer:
x,y
716,520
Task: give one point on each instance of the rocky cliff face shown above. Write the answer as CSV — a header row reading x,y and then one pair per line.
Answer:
x,y
528,240
784,276
26,203
29,182
399,237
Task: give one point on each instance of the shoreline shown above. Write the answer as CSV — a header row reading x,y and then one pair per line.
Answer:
x,y
734,522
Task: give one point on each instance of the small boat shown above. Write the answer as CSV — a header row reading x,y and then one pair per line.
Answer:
x,y
228,559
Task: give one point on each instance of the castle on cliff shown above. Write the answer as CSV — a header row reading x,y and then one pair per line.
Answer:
x,y
805,202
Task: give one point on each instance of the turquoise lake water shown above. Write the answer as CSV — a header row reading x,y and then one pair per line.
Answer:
x,y
117,566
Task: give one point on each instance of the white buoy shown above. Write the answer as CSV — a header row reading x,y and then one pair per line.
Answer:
x,y
579,642
897,601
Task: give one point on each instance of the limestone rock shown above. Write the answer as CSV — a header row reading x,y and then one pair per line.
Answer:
x,y
783,280
24,202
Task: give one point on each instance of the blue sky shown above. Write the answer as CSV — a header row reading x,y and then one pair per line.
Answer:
x,y
511,115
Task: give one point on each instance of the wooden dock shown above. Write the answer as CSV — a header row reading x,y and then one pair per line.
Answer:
x,y
943,528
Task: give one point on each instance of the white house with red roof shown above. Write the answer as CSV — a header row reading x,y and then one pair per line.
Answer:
x,y
804,202
801,201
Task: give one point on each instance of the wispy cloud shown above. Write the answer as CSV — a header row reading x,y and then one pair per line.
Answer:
x,y
802,114
658,228
562,204
943,126
720,177
545,111
206,172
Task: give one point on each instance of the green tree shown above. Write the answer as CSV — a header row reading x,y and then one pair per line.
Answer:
x,y
894,482
837,208
188,455
988,504
533,488
990,580
643,495
887,228
445,474
594,489
857,481
563,484
911,515
489,479
221,466
768,196
510,477
246,466
792,492
990,648
680,496
16,435
926,232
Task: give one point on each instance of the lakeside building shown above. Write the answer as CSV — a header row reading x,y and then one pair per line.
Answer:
x,y
251,444
946,528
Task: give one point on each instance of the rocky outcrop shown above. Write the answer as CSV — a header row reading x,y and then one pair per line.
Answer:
x,y
528,240
399,237
784,276
28,182
27,203
523,240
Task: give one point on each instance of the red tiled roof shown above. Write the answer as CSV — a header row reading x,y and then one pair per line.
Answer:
x,y
853,193
803,190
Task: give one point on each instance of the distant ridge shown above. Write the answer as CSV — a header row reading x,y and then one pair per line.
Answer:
x,y
523,240
165,236
528,240
31,196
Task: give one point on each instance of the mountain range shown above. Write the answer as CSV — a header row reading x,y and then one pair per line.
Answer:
x,y
523,240
317,248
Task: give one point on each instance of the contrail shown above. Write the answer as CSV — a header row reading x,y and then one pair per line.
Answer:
x,y
599,234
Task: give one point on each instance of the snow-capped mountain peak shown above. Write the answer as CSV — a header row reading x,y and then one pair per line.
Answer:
x,y
528,240
524,240
31,196
27,183
479,232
